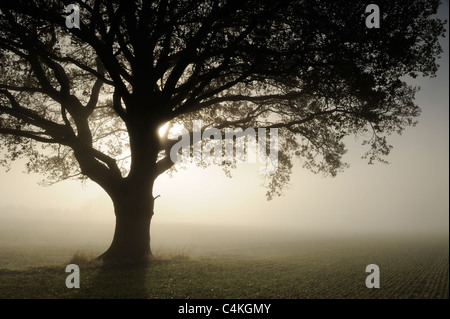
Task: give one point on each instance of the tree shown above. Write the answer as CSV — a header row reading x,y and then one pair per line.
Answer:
x,y
87,102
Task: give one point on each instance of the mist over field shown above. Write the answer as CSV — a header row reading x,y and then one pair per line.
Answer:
x,y
204,261
24,241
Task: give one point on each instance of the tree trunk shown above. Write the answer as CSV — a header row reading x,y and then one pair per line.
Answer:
x,y
133,207
132,196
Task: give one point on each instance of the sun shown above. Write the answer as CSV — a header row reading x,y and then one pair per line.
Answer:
x,y
171,130
163,129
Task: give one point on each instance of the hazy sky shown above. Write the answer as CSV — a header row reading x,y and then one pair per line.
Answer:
x,y
409,195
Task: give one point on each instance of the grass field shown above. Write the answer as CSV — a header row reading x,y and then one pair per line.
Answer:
x,y
237,267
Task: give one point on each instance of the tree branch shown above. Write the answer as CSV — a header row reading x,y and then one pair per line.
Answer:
x,y
92,103
29,134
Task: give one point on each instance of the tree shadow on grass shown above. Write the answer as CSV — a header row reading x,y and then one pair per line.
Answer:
x,y
103,280
115,282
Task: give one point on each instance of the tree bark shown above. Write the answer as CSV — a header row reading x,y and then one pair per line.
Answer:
x,y
134,202
133,207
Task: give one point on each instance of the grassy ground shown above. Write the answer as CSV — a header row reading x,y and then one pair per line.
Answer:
x,y
332,268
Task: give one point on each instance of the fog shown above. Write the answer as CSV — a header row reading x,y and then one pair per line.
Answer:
x,y
198,206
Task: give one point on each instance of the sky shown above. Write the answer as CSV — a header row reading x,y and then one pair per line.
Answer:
x,y
410,195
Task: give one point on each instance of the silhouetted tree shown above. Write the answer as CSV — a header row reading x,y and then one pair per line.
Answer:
x,y
87,102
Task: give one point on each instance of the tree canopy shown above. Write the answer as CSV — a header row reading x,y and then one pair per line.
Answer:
x,y
76,101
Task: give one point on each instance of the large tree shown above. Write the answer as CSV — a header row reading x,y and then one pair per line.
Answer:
x,y
87,102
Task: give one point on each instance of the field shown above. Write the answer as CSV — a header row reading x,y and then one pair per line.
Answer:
x,y
228,263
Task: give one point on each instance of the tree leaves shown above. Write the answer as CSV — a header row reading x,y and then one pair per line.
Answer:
x,y
309,68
